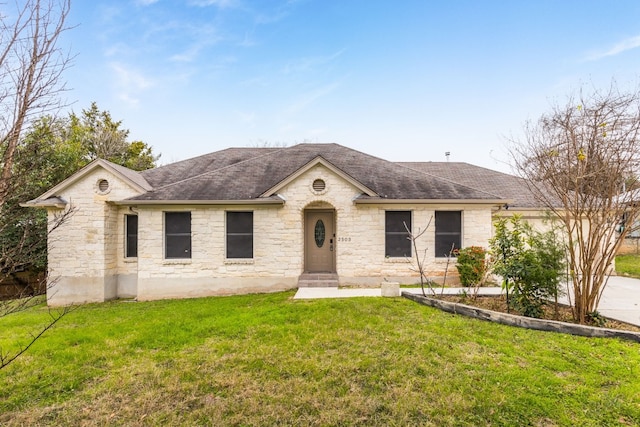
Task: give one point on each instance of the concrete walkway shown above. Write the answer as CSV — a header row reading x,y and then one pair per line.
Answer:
x,y
620,299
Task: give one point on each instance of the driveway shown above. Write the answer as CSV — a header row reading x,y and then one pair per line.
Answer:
x,y
621,300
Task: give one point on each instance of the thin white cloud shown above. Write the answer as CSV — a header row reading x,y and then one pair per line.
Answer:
x,y
222,4
129,83
310,63
266,17
312,96
618,48
118,50
258,81
248,41
202,37
188,55
146,2
270,18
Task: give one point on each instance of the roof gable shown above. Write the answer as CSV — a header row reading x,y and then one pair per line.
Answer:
x,y
132,178
319,160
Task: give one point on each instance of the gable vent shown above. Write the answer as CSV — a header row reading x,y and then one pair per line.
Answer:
x,y
318,185
103,185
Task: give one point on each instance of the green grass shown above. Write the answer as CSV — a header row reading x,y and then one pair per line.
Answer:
x,y
628,265
270,360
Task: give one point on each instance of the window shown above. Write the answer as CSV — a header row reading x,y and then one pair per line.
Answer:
x,y
239,234
397,242
448,232
177,234
131,236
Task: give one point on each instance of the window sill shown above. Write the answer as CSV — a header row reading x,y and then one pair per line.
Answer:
x,y
397,260
176,261
241,261
132,260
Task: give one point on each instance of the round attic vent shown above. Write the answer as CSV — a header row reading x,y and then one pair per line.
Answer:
x,y
318,185
103,185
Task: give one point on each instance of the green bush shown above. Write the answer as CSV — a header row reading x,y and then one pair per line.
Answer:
x,y
530,263
471,265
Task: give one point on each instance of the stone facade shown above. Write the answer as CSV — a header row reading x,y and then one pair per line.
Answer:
x,y
83,251
631,245
87,253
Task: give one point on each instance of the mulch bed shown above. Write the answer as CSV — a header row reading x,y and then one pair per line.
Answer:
x,y
552,311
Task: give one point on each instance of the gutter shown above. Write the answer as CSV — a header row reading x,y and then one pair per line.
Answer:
x,y
270,201
374,201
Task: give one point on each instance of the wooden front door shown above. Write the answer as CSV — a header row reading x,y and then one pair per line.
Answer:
x,y
319,242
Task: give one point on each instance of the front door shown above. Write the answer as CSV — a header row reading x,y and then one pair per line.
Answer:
x,y
319,242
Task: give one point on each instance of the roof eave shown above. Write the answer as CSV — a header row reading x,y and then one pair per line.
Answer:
x,y
53,202
259,201
374,201
527,208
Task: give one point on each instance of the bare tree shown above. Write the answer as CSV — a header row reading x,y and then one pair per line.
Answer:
x,y
31,67
30,296
418,264
576,160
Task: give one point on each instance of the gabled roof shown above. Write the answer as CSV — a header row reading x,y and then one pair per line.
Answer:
x,y
131,177
319,161
240,174
256,175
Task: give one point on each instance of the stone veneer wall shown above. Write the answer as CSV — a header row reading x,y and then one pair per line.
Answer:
x,y
87,253
631,245
360,239
82,253
208,272
279,243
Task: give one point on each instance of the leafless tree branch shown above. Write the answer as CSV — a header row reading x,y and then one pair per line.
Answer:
x,y
31,68
27,301
578,161
418,263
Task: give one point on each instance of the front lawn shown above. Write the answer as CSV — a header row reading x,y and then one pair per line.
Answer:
x,y
628,265
270,360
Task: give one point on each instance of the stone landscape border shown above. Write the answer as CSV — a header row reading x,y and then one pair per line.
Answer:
x,y
521,321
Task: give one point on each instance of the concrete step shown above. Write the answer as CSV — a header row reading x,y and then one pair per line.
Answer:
x,y
318,280
318,284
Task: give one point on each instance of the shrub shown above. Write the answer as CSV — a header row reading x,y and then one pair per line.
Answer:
x,y
530,263
471,265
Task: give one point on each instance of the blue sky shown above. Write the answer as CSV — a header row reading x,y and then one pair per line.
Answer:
x,y
401,80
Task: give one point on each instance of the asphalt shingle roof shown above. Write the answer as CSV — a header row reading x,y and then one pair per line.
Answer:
x,y
132,175
508,186
247,173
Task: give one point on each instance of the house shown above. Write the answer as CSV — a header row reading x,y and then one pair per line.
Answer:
x,y
246,220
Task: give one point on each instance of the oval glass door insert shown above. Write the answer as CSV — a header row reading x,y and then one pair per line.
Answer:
x,y
319,233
